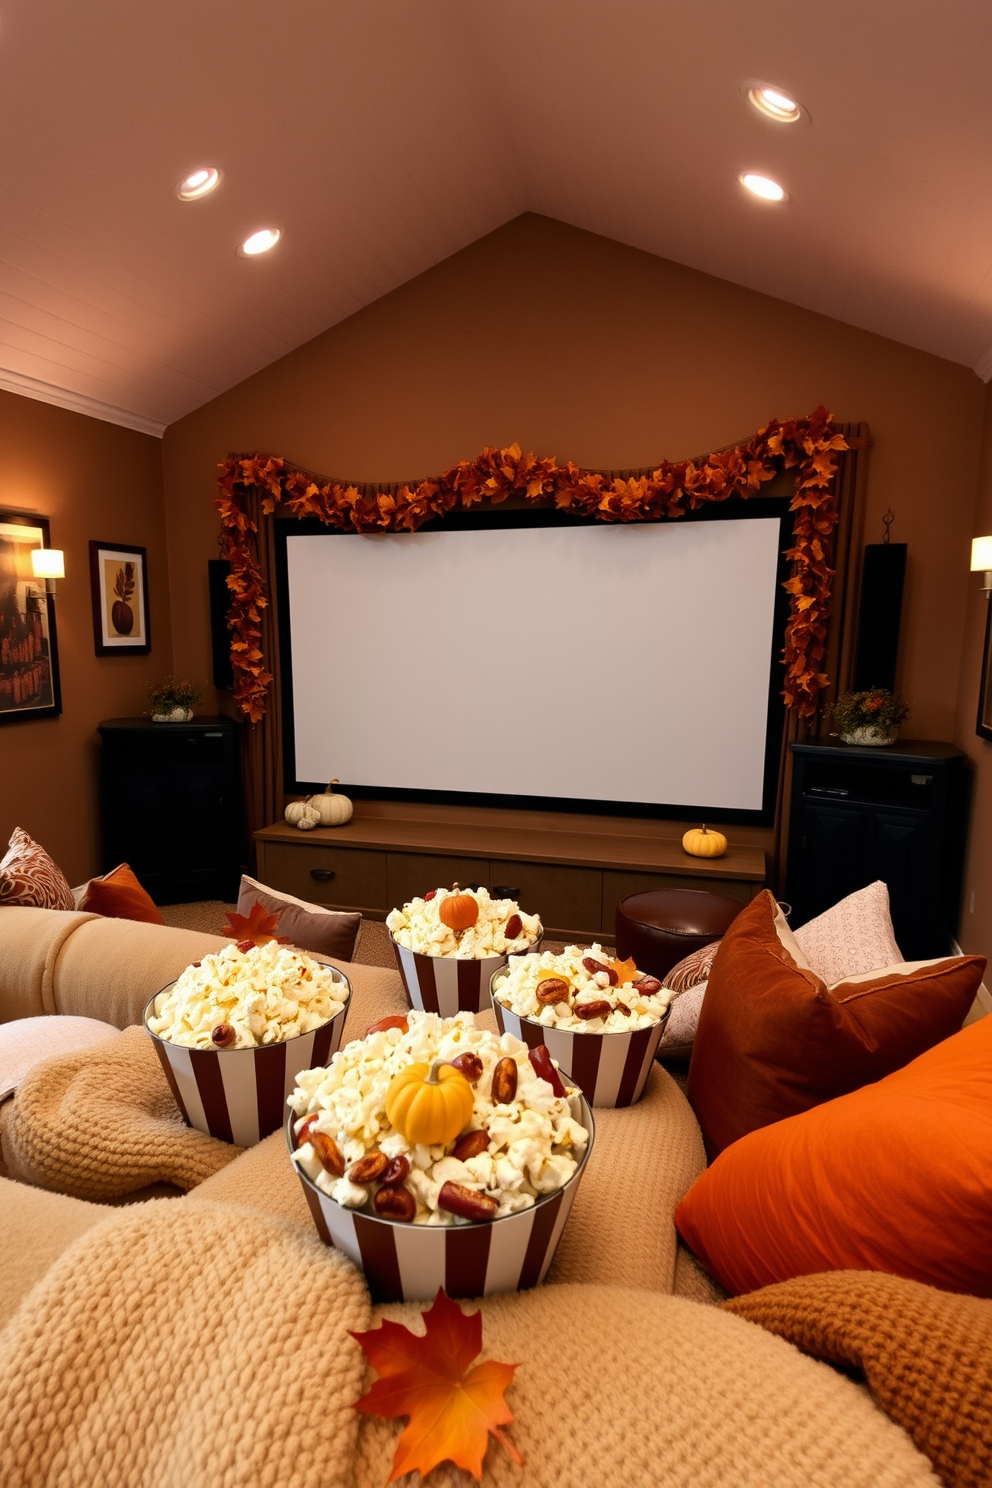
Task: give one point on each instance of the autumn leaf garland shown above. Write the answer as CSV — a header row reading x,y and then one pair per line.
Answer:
x,y
809,446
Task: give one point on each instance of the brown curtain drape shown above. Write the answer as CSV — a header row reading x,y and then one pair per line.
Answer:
x,y
261,743
849,485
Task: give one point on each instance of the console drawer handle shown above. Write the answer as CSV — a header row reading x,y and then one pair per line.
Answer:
x,y
322,875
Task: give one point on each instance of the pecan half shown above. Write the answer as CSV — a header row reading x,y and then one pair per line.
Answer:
x,y
588,1010
595,966
223,1036
551,990
504,1086
397,1172
470,1145
458,1199
514,925
469,1065
647,985
328,1151
395,1203
368,1168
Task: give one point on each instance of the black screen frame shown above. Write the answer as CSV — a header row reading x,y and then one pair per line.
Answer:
x,y
543,516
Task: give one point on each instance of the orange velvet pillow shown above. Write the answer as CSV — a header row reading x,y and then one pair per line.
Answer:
x,y
773,1039
120,896
895,1177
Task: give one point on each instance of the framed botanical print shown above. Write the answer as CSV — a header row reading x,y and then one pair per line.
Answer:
x,y
119,588
29,653
984,726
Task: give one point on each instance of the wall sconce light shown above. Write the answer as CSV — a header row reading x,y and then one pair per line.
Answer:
x,y
48,564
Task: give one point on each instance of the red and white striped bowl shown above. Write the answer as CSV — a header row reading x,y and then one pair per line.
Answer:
x,y
610,1067
239,1095
408,1262
449,984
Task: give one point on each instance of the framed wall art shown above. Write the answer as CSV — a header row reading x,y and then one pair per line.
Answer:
x,y
119,587
29,653
984,725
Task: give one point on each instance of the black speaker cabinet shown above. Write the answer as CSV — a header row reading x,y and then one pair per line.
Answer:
x,y
220,637
882,579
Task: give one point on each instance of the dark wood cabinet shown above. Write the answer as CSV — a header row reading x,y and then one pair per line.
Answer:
x,y
898,813
171,805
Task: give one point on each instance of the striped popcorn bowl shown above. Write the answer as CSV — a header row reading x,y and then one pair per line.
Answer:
x,y
407,1262
448,984
239,1095
610,1067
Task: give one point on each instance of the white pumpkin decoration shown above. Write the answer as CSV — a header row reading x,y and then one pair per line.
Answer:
x,y
303,815
334,810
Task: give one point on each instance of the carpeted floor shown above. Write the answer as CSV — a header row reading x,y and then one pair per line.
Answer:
x,y
373,947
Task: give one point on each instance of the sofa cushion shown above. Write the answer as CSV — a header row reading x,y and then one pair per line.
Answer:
x,y
926,1355
120,896
896,1177
311,927
854,936
27,1041
29,878
110,968
31,942
774,1039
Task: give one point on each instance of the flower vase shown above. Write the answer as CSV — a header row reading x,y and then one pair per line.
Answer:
x,y
174,715
874,738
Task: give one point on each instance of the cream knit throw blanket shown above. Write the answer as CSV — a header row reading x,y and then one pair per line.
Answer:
x,y
103,1123
204,1345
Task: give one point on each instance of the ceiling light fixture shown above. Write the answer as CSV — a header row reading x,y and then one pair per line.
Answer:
x,y
259,242
198,183
774,104
762,186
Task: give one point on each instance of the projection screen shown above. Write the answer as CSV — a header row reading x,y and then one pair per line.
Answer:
x,y
609,663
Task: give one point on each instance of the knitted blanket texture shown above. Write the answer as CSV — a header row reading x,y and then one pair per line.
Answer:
x,y
926,1355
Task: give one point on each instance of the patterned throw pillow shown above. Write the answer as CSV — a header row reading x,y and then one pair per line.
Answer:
x,y
693,969
688,983
29,878
852,937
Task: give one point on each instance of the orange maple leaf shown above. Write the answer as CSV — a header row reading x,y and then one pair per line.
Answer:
x,y
626,970
452,1409
256,926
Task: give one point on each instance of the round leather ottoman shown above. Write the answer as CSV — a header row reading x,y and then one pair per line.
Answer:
x,y
661,926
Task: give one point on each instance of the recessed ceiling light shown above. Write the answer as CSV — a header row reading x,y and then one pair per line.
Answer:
x,y
762,186
775,104
198,183
260,242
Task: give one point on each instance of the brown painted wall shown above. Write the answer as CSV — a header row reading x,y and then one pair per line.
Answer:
x,y
577,346
92,480
976,910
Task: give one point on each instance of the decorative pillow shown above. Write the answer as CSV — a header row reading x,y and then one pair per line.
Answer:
x,y
27,1041
926,1355
688,983
774,1039
852,937
29,878
119,896
327,932
894,1177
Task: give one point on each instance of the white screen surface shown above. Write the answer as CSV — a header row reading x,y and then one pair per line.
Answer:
x,y
619,663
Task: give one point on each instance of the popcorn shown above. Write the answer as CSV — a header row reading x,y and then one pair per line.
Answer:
x,y
588,984
418,927
535,1142
265,995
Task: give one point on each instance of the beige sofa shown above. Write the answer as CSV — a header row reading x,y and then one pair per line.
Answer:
x,y
727,1403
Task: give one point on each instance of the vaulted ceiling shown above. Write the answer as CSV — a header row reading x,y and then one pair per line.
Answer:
x,y
381,136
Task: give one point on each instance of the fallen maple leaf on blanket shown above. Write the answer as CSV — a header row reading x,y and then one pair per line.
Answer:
x,y
256,926
452,1408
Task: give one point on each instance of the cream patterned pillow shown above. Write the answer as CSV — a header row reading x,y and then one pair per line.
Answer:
x,y
29,878
853,937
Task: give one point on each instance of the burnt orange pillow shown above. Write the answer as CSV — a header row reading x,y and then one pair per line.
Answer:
x,y
773,1039
895,1177
120,896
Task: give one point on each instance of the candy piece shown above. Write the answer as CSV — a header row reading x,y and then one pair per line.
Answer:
x,y
466,1202
544,1068
398,1020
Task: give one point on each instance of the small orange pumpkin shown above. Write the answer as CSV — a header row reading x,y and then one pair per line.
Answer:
x,y
704,843
458,911
429,1103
